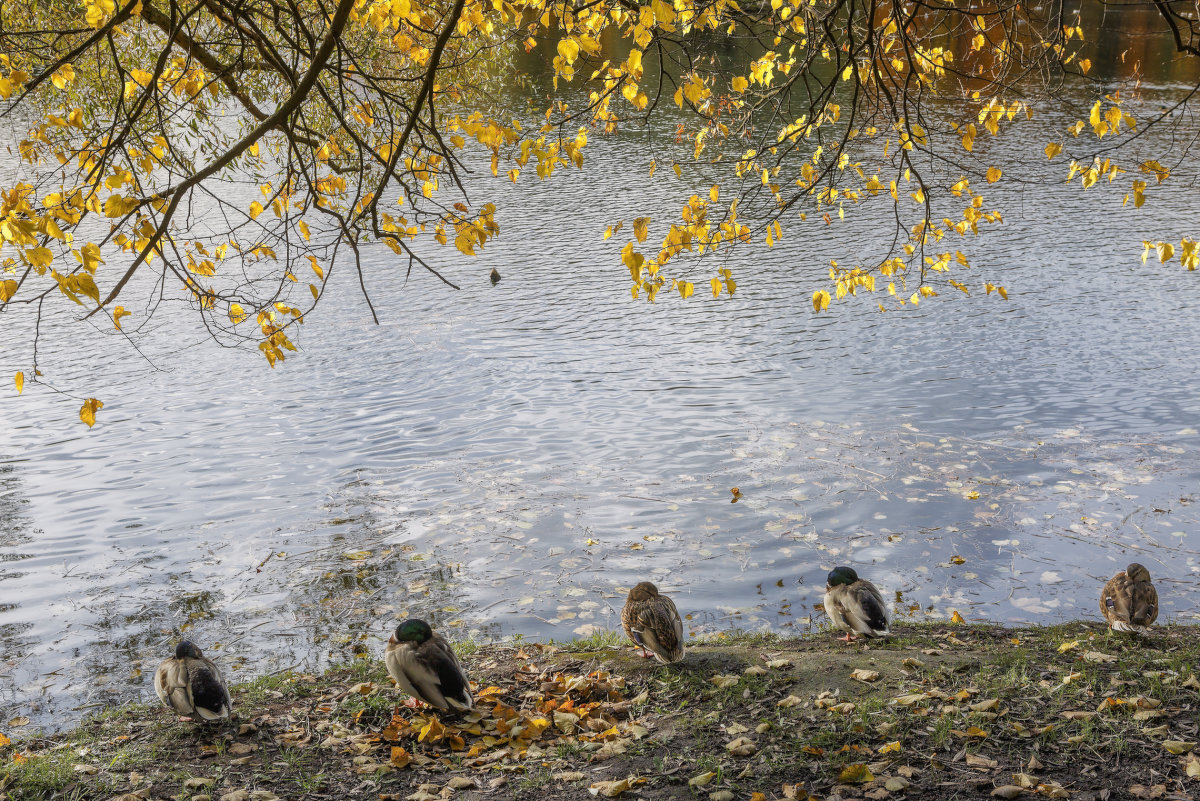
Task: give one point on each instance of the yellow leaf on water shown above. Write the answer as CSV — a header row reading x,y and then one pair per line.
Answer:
x,y
87,413
678,170
19,379
956,617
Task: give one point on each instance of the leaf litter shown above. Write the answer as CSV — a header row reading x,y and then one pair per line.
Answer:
x,y
987,719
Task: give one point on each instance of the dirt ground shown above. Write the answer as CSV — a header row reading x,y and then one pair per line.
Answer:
x,y
937,712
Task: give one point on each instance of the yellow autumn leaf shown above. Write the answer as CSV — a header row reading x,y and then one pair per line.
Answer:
x,y
888,748
1053,149
956,617
118,313
19,380
236,313
740,84
256,209
87,412
820,300
1178,746
8,288
993,175
855,774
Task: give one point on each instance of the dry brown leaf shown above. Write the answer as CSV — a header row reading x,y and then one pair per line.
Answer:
x,y
720,795
977,761
570,776
1096,656
1078,715
1024,780
461,783
197,783
790,701
1178,746
724,681
742,746
865,675
1007,791
895,784
702,779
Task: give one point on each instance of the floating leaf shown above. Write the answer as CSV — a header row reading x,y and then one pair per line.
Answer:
x,y
87,412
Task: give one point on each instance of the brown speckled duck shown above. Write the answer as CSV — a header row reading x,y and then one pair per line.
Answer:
x,y
191,684
653,623
424,666
855,605
1129,601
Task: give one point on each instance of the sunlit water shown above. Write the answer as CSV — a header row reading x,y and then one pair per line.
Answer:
x,y
509,459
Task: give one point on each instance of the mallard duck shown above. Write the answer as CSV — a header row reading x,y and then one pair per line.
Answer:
x,y
1129,601
424,666
652,622
855,605
190,683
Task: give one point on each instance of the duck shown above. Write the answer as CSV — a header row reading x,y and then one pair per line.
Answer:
x,y
1129,601
191,684
651,620
855,605
424,666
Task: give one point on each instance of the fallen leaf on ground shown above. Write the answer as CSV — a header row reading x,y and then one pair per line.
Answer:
x,y
855,774
1007,791
865,675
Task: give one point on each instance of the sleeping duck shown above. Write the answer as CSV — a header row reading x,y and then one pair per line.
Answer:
x,y
1129,601
190,683
653,623
424,666
855,605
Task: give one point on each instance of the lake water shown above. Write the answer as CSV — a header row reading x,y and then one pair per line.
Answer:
x,y
509,459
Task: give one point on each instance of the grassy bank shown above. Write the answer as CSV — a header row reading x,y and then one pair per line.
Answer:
x,y
938,712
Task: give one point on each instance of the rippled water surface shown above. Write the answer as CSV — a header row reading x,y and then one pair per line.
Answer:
x,y
510,459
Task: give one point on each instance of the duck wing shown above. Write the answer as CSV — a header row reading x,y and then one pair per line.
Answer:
x,y
657,626
871,608
1143,602
171,685
209,695
1115,600
451,679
